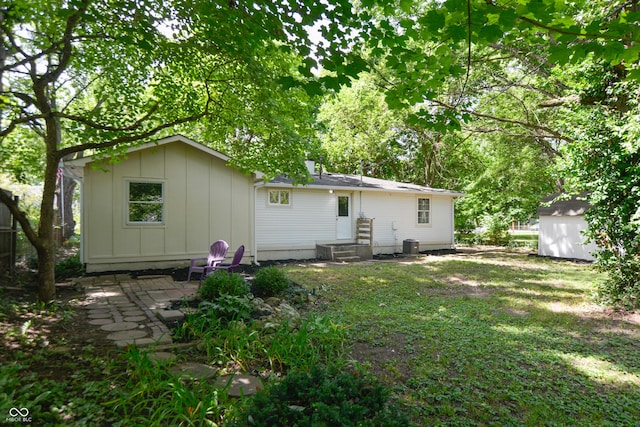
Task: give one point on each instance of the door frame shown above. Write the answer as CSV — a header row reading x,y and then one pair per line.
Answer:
x,y
344,224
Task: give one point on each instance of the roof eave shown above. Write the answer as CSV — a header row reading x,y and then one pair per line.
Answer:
x,y
435,192
163,141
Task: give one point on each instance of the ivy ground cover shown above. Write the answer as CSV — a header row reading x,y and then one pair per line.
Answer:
x,y
487,338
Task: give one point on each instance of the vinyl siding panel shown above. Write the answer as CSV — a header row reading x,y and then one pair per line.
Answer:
x,y
396,219
311,219
178,190
562,237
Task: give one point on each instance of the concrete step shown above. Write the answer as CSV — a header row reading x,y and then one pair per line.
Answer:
x,y
350,258
345,256
344,253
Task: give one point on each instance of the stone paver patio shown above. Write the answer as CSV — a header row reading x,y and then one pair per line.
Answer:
x,y
130,311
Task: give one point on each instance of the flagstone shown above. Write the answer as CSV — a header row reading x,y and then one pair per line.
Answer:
x,y
126,335
239,385
119,326
100,322
195,370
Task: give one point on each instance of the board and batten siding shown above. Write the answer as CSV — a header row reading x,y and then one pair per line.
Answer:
x,y
204,200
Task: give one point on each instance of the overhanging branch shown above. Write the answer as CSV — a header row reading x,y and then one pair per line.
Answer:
x,y
129,138
21,217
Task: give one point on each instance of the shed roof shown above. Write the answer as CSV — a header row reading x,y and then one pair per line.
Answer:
x,y
575,205
329,180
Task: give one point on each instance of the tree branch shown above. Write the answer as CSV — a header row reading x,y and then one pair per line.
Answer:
x,y
21,217
605,36
108,128
67,44
533,126
129,138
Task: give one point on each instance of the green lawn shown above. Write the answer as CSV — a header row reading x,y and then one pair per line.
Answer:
x,y
487,338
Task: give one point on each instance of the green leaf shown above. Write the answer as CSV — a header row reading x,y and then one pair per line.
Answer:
x,y
457,32
491,33
313,88
433,21
406,5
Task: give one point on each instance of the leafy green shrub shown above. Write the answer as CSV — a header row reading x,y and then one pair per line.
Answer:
x,y
324,397
221,283
227,307
496,229
270,281
69,267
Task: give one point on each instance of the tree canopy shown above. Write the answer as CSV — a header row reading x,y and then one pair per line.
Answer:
x,y
496,89
100,75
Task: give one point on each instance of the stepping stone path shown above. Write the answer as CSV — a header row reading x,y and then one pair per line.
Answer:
x,y
130,310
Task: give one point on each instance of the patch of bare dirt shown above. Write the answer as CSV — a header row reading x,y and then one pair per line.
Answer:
x,y
390,360
56,335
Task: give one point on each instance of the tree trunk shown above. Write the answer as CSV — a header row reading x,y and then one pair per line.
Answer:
x,y
46,271
46,247
66,207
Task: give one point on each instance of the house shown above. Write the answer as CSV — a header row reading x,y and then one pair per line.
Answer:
x,y
562,225
166,201
291,221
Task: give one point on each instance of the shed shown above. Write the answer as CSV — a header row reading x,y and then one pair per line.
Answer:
x,y
562,227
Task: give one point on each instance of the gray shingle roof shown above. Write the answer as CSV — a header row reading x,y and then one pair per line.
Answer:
x,y
576,205
356,182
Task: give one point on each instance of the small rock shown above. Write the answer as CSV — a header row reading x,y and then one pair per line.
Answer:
x,y
240,384
194,370
273,301
162,356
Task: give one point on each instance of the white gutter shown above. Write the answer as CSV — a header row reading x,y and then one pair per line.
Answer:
x,y
430,192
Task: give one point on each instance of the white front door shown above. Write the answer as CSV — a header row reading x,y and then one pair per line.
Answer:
x,y
344,217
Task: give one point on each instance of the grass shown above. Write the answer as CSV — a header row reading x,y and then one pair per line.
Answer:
x,y
487,338
479,338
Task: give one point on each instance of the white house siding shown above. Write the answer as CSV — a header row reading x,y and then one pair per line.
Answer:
x,y
205,200
396,219
561,236
292,232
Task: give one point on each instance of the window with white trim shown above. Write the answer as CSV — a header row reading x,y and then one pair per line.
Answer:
x,y
424,210
145,202
279,197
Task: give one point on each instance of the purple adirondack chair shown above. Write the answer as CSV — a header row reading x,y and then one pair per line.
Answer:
x,y
237,258
217,253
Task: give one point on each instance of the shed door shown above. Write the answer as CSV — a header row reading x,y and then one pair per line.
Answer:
x,y
344,217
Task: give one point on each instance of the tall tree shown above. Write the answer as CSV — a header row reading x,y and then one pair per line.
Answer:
x,y
101,75
424,42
